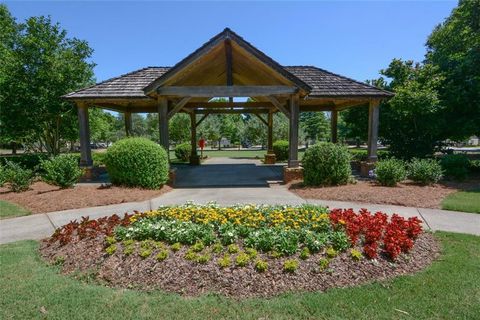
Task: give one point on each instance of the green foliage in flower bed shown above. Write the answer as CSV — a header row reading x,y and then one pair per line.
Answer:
x,y
137,162
326,164
425,171
16,177
390,172
62,170
456,166
282,229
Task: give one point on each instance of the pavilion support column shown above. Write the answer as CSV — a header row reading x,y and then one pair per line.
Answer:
x,y
194,158
334,125
270,157
373,121
293,132
128,123
163,122
85,150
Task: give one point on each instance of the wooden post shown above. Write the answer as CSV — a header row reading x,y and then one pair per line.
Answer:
x,y
85,151
293,132
373,119
194,158
333,125
270,133
163,122
128,123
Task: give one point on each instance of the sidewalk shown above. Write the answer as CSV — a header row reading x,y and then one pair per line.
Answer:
x,y
40,226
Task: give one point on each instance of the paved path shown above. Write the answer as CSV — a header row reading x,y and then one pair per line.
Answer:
x,y
227,172
42,225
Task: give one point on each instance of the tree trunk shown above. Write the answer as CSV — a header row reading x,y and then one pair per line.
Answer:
x,y
14,147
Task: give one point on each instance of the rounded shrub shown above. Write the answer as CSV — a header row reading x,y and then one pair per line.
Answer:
x,y
425,171
280,148
456,166
18,178
62,170
137,162
183,151
390,172
326,164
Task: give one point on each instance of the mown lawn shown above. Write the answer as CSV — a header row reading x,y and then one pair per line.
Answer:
x,y
449,289
466,201
10,210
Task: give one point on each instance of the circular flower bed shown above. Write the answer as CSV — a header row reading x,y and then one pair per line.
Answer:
x,y
241,251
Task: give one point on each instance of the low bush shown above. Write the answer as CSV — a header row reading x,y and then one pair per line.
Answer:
x,y
425,171
475,166
30,161
183,151
390,172
456,166
280,148
137,162
326,164
18,178
62,170
3,175
261,265
290,266
98,158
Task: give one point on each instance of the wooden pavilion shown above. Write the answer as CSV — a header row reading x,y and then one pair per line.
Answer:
x,y
228,66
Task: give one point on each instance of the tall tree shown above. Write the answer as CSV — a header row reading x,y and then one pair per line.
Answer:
x,y
45,64
454,48
179,128
315,126
102,126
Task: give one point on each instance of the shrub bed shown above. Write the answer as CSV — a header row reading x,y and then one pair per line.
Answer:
x,y
16,177
137,162
456,166
326,164
62,170
390,172
425,171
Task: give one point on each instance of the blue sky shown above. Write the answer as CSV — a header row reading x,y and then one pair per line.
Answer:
x,y
355,39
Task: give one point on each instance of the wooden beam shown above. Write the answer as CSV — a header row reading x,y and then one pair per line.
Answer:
x,y
229,64
178,107
84,128
373,119
253,105
333,125
202,118
261,119
163,122
193,140
270,133
128,123
278,105
232,111
293,132
315,108
225,91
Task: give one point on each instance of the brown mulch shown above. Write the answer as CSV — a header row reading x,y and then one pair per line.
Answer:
x,y
42,197
404,194
175,274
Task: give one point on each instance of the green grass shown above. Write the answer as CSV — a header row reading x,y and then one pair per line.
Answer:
x,y
250,154
10,210
449,289
466,201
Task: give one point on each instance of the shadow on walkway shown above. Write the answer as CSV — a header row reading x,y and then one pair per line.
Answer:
x,y
231,174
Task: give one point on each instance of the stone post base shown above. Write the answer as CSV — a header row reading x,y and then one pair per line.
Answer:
x,y
291,174
88,174
365,167
172,175
270,158
195,160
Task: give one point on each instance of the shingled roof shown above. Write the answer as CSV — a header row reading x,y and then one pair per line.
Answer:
x,y
322,82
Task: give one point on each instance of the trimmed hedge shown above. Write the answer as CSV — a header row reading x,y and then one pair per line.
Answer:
x,y
18,178
62,170
183,151
425,171
390,172
137,162
326,164
280,148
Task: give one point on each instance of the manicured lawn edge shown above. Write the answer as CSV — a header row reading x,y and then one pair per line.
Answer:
x,y
11,210
466,201
448,289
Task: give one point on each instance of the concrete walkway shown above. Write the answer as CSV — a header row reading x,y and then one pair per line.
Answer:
x,y
226,181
